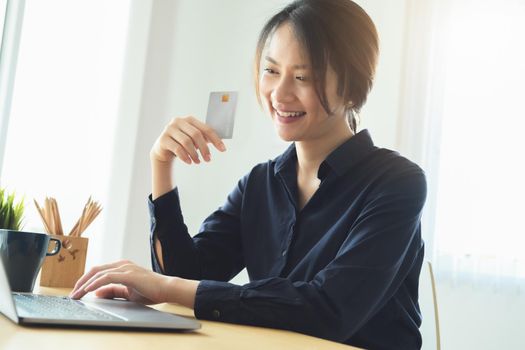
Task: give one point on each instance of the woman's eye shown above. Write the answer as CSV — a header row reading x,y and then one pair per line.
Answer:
x,y
301,78
270,71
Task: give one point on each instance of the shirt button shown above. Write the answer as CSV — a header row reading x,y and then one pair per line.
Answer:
x,y
284,253
216,314
153,221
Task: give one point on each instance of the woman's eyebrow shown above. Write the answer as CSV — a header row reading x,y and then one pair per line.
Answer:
x,y
295,66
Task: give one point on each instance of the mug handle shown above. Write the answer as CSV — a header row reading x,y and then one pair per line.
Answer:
x,y
58,245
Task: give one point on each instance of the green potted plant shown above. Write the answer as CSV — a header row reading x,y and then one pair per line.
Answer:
x,y
11,214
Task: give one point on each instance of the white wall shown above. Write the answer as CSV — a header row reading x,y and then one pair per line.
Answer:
x,y
380,114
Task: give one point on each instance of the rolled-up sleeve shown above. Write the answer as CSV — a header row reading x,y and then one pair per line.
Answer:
x,y
380,249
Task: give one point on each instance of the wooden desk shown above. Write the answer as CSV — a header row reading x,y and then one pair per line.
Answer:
x,y
212,335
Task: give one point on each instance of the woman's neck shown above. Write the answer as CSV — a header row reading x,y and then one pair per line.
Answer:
x,y
311,153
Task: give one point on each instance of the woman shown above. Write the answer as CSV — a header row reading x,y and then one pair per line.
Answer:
x,y
329,231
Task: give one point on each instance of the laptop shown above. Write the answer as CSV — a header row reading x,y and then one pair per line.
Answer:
x,y
42,310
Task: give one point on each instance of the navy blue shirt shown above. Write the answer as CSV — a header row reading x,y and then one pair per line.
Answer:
x,y
345,267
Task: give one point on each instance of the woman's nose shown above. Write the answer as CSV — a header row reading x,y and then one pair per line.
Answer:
x,y
283,91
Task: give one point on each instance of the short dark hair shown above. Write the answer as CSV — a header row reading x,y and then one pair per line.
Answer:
x,y
335,32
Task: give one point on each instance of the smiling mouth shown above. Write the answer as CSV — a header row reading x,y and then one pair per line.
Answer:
x,y
290,114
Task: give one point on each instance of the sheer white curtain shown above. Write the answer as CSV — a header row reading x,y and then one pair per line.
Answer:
x,y
463,120
65,103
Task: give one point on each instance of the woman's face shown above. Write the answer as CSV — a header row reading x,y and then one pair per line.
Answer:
x,y
288,92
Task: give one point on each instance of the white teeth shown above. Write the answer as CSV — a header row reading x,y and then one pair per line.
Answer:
x,y
290,114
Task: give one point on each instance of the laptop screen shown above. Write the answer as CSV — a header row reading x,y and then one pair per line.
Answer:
x,y
7,305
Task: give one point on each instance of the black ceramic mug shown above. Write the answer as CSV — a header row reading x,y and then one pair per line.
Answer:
x,y
23,254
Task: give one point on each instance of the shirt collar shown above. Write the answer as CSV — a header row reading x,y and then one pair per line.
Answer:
x,y
350,153
288,157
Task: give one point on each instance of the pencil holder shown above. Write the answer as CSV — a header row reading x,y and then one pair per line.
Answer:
x,y
64,269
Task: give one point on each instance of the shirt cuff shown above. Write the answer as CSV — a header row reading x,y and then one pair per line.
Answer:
x,y
217,301
158,208
165,213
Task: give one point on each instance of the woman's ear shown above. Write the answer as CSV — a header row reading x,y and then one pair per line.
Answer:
x,y
348,107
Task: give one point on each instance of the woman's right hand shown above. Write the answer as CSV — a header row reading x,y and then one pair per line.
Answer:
x,y
185,138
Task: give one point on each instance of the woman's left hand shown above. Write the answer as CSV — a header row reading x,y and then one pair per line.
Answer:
x,y
124,279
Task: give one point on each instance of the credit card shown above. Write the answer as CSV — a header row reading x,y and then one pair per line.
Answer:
x,y
221,112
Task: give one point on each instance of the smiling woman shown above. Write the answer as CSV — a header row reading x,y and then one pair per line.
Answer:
x,y
328,231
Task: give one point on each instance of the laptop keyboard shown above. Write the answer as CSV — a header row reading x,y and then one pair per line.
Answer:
x,y
63,308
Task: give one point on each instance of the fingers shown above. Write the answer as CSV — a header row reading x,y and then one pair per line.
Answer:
x,y
101,279
198,138
113,291
96,269
78,290
189,145
209,133
185,138
182,146
104,278
174,148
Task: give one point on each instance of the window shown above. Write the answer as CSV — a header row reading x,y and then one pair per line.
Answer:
x,y
464,117
64,106
480,196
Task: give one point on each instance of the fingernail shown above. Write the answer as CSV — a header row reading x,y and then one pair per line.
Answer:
x,y
207,157
222,147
